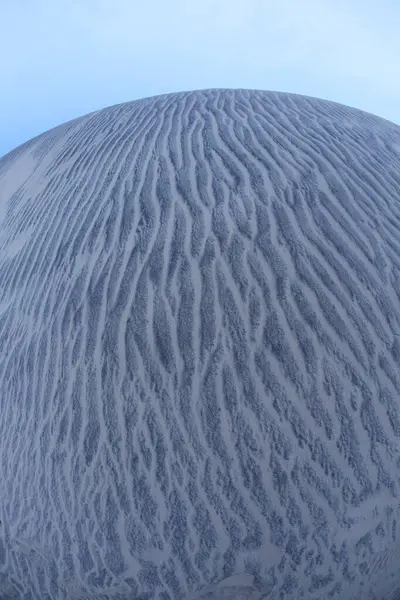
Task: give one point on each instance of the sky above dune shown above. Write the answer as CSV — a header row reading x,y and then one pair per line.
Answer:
x,y
60,59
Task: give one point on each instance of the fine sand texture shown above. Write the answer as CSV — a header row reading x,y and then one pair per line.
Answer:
x,y
200,353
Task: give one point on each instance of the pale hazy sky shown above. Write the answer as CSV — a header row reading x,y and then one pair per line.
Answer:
x,y
60,59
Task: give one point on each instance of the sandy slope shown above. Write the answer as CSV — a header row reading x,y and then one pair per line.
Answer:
x,y
200,352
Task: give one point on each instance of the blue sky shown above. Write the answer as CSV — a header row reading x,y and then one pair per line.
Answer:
x,y
60,59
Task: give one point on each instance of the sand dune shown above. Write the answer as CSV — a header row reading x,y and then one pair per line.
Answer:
x,y
200,353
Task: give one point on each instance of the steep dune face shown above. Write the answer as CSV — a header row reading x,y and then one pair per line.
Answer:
x,y
200,352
